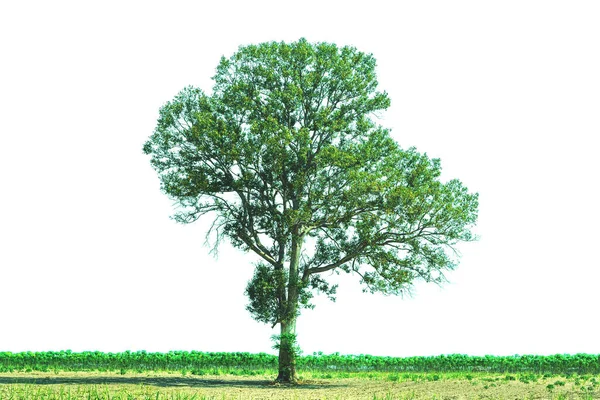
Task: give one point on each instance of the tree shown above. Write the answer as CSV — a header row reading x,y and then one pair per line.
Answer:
x,y
287,159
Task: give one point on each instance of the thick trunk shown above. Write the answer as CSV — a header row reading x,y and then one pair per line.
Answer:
x,y
287,354
287,344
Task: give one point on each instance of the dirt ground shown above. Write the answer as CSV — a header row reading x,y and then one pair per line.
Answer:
x,y
177,386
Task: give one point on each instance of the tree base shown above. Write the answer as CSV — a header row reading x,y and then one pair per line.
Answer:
x,y
285,379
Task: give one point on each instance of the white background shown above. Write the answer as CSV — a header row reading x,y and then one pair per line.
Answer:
x,y
507,94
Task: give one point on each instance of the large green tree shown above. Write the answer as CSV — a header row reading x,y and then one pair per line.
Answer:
x,y
287,160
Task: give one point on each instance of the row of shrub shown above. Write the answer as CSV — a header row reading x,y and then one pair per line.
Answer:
x,y
195,360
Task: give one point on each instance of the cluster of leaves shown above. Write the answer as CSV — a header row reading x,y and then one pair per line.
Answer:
x,y
262,291
194,360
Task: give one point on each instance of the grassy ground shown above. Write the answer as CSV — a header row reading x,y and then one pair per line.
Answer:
x,y
373,386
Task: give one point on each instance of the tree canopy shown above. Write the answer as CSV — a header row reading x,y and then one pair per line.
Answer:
x,y
287,158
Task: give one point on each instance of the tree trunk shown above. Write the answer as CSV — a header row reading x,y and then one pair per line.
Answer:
x,y
287,340
287,354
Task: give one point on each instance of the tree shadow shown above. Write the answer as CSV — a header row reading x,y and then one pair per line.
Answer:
x,y
182,382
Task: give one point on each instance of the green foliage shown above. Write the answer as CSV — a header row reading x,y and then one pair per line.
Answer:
x,y
580,367
262,290
288,340
286,157
393,377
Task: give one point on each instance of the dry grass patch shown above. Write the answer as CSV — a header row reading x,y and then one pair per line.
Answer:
x,y
375,386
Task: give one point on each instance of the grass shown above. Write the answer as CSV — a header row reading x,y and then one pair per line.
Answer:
x,y
217,385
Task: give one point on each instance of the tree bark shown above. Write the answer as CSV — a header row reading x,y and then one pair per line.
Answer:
x,y
287,354
287,340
